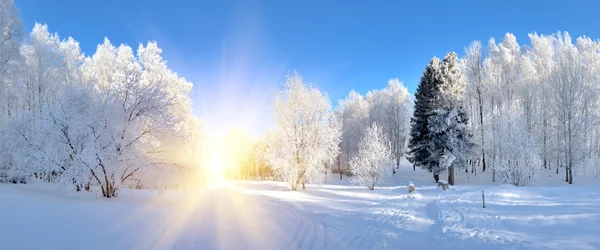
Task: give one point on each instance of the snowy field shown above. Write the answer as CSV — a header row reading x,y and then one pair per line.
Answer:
x,y
265,215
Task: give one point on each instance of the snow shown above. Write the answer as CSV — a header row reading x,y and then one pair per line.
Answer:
x,y
336,215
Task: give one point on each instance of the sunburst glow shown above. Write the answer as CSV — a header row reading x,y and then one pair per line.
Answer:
x,y
215,164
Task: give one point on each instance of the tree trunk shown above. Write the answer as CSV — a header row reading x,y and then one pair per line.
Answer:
x,y
483,160
303,184
339,165
481,125
570,175
436,177
451,176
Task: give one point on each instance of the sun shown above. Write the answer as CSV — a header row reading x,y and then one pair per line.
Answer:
x,y
226,150
217,164
214,163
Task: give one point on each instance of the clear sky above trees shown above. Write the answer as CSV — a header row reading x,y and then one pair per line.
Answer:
x,y
240,50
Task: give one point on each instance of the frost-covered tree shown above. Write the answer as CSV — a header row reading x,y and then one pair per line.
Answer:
x,y
307,134
374,156
353,112
450,122
573,91
473,70
541,54
10,37
520,163
389,107
43,69
144,101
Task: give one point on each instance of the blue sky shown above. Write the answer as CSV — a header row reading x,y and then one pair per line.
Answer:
x,y
237,52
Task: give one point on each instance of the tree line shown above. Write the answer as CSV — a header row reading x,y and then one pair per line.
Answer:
x,y
519,111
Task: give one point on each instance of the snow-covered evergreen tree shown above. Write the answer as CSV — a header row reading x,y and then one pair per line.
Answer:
x,y
450,121
426,101
374,157
440,138
449,141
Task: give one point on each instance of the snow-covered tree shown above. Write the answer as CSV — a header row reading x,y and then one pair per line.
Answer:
x,y
473,70
450,122
426,101
449,141
573,91
307,133
144,101
520,163
390,108
10,37
44,68
353,112
374,156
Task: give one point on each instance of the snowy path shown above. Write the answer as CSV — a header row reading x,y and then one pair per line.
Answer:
x,y
214,219
265,215
390,218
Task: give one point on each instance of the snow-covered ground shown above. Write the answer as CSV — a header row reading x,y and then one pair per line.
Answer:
x,y
265,215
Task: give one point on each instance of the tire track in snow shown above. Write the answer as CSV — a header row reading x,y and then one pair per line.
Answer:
x,y
308,231
391,214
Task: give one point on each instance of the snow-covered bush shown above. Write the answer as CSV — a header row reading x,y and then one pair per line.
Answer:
x,y
373,158
13,177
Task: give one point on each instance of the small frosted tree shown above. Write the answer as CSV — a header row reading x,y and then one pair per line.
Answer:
x,y
374,157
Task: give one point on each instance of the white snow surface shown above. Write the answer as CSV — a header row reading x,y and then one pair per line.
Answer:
x,y
266,215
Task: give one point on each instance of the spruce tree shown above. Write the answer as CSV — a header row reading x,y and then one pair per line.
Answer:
x,y
426,101
449,135
440,139
450,140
